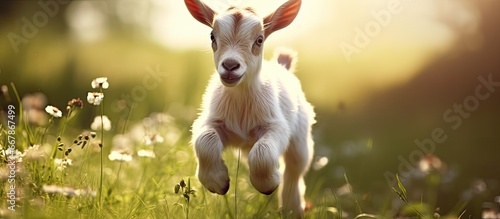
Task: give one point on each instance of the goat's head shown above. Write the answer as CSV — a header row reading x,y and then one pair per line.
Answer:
x,y
238,36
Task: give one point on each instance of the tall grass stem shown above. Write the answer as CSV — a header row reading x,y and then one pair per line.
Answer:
x,y
101,148
236,185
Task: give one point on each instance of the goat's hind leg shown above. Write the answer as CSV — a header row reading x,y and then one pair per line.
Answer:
x,y
297,160
212,172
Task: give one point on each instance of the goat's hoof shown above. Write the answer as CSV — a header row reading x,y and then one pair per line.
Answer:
x,y
265,183
221,191
216,180
220,187
268,192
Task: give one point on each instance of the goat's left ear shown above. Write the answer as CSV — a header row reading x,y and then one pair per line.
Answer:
x,y
200,11
282,17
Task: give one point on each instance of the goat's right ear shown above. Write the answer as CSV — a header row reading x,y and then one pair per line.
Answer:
x,y
200,11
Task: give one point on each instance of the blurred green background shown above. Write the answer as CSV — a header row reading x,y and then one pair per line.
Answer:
x,y
381,74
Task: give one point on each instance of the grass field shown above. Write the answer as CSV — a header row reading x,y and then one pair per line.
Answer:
x,y
431,77
146,169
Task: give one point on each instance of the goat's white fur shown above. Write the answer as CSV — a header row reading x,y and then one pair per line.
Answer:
x,y
265,114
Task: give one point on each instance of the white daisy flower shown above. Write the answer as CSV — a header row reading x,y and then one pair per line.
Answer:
x,y
33,153
95,98
53,111
146,153
430,163
153,139
52,189
100,82
13,155
98,125
120,156
61,164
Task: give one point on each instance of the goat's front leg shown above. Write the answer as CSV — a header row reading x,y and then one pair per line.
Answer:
x,y
263,158
212,172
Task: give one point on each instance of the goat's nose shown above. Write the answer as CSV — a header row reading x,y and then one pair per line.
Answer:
x,y
230,64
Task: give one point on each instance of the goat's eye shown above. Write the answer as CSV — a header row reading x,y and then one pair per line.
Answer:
x,y
214,43
212,38
259,41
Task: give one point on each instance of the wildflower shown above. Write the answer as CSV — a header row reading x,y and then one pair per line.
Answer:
x,y
162,118
33,153
4,90
75,103
490,213
184,189
98,125
33,105
61,164
34,101
120,156
177,188
13,155
491,210
101,82
82,139
95,98
320,162
146,153
52,189
53,111
152,139
430,163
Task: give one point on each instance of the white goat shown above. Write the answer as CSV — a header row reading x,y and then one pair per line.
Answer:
x,y
256,105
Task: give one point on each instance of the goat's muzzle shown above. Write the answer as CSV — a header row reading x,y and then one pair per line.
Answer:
x,y
229,77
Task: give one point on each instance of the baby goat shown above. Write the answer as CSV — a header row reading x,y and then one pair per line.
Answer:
x,y
256,105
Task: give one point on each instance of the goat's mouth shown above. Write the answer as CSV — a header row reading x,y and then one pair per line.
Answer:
x,y
230,80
